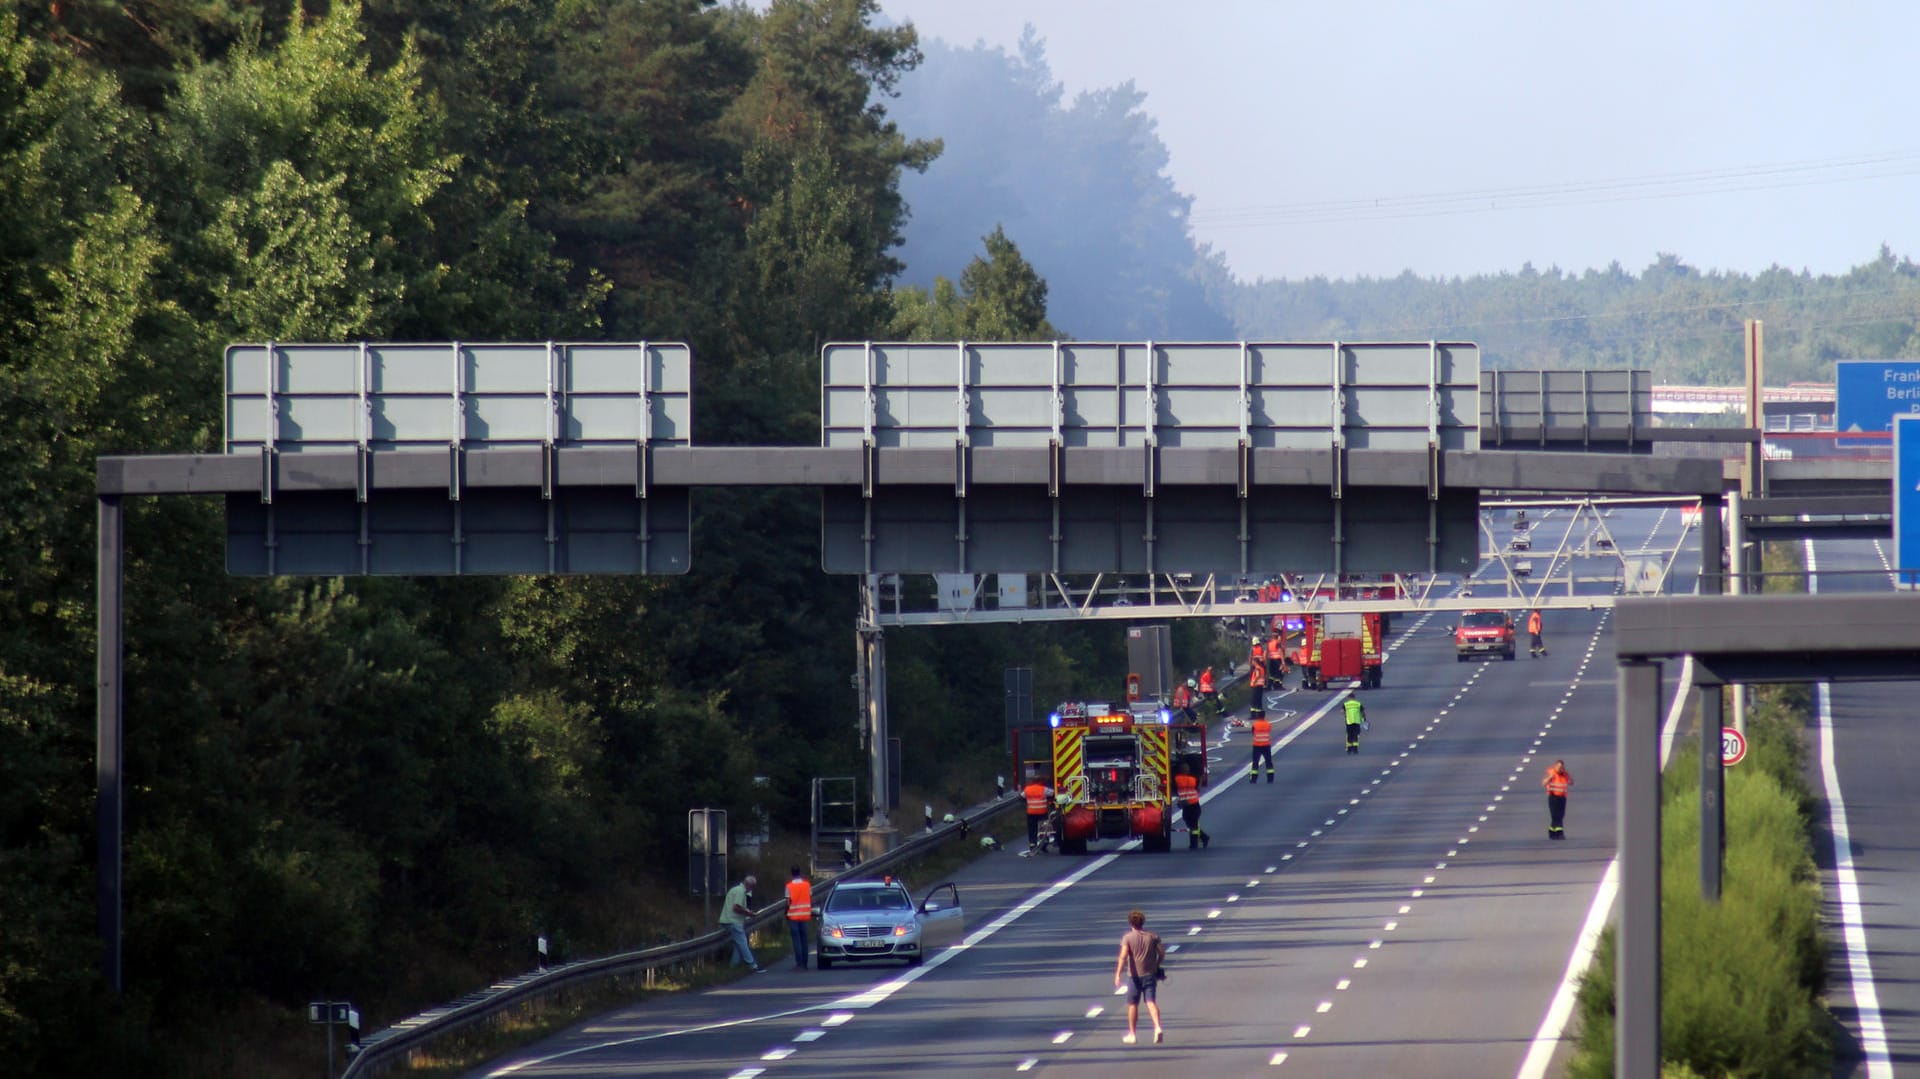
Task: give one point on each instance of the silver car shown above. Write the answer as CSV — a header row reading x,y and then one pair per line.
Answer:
x,y
878,919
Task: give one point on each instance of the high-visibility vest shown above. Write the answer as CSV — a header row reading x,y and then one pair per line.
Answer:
x,y
1259,653
1276,649
1188,789
1533,623
1557,781
1036,800
1355,711
1262,732
1181,697
1206,680
799,900
1257,675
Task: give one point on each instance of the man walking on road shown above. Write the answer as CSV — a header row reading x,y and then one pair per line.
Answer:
x,y
1356,719
1140,956
734,913
1262,744
1557,782
1535,647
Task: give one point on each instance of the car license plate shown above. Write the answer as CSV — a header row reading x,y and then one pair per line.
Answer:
x,y
868,945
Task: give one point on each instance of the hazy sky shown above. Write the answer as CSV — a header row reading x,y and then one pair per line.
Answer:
x,y
1349,139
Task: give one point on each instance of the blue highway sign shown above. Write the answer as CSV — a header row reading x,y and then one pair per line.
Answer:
x,y
1870,393
1906,500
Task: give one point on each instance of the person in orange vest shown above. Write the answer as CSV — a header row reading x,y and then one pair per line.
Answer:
x,y
1207,693
1183,700
1039,804
1186,791
1536,647
1557,781
1257,655
1257,682
799,913
1277,657
1262,745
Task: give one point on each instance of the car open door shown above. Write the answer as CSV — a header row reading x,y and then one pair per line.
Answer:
x,y
941,919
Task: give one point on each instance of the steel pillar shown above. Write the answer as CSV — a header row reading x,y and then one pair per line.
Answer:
x,y
109,744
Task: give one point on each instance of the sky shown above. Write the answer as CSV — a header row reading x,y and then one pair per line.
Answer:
x,y
1355,139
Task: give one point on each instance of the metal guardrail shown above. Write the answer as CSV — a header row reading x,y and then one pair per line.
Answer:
x,y
390,1046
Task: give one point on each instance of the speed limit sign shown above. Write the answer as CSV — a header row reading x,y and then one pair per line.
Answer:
x,y
1733,746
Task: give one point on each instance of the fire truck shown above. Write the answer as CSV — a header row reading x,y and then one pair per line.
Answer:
x,y
1339,649
1111,769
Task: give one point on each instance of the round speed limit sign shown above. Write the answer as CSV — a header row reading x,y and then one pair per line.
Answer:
x,y
1733,746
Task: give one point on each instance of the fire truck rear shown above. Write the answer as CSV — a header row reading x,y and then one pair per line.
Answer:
x,y
1112,772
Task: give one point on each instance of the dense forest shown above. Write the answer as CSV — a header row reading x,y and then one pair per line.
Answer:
x,y
381,787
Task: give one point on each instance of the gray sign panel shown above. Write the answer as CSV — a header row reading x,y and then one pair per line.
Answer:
x,y
1594,409
1282,395
295,398
1225,458
412,407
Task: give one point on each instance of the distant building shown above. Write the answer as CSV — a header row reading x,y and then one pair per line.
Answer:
x,y
1797,406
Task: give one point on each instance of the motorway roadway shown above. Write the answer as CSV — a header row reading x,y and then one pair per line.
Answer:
x,y
1398,912
1872,906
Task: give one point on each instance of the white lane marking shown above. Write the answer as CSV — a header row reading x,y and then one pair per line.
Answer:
x,y
878,993
747,1073
1866,999
1342,984
1324,1007
781,1053
1406,908
809,1035
1277,1059
1027,1064
1094,1012
1302,1031
1359,964
1061,1038
1554,1024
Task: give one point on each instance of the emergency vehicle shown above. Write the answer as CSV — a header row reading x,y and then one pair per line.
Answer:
x,y
1339,649
1111,769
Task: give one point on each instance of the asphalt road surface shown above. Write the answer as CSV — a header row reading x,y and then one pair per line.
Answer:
x,y
1873,914
1396,912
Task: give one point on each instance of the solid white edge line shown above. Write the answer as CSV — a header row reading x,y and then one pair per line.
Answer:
x,y
1866,998
1553,1026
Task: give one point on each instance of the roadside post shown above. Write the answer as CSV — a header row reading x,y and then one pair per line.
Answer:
x,y
331,1013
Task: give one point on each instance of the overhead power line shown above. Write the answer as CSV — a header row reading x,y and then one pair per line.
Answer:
x,y
1807,173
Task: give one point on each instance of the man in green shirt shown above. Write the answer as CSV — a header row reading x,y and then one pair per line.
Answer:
x,y
734,913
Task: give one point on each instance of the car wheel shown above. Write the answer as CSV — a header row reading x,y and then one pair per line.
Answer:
x,y
1462,657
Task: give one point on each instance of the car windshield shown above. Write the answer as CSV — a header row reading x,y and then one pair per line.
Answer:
x,y
847,900
1484,620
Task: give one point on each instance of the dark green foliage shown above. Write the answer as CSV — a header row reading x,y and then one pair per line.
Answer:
x,y
1741,979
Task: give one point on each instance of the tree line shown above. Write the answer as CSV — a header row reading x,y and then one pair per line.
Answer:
x,y
386,786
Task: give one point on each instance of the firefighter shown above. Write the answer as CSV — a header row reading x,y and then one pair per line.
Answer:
x,y
1257,684
1262,745
1207,693
1186,790
1535,647
1039,804
1277,657
799,913
1257,656
1183,700
1556,783
1356,719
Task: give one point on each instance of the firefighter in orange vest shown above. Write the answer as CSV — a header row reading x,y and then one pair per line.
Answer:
x,y
1262,745
1186,791
1183,701
1557,782
1277,657
799,913
1039,804
1257,655
1536,647
1207,693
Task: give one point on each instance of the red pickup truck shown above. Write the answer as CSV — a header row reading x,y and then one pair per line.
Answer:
x,y
1483,633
